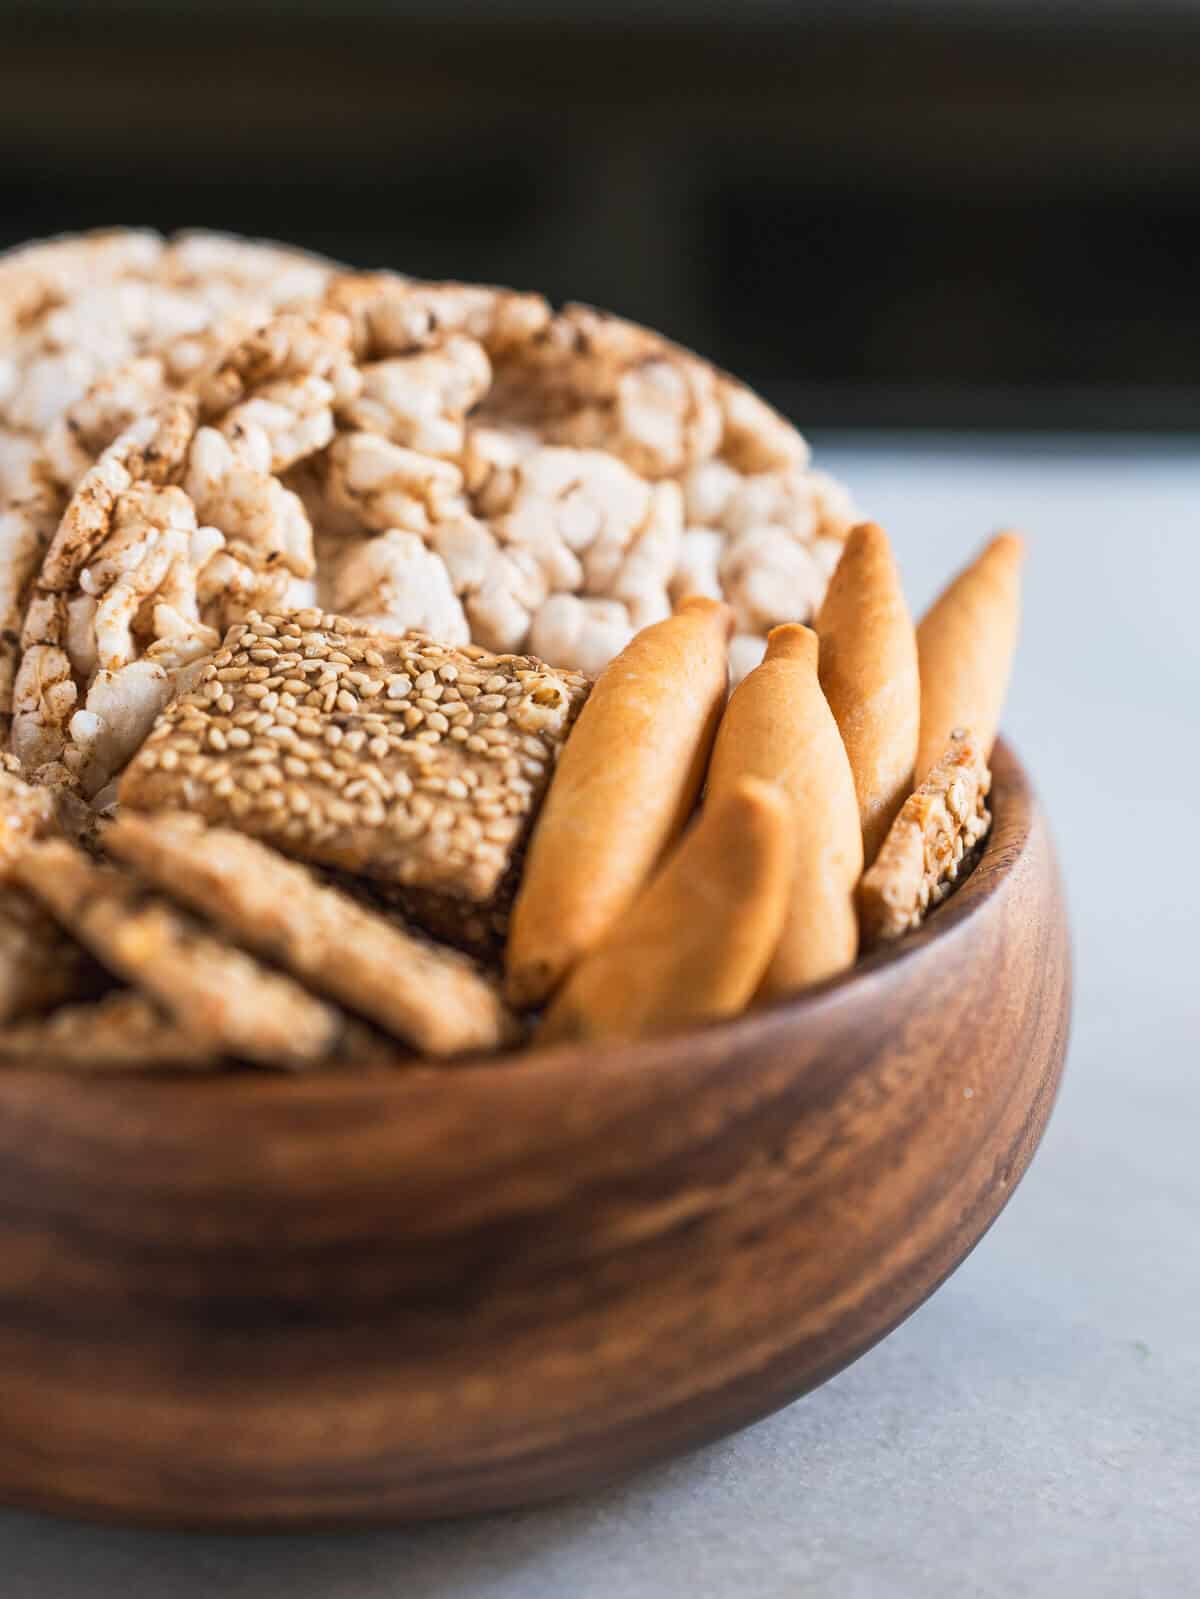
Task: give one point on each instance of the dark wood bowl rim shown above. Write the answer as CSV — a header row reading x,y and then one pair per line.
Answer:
x,y
1013,817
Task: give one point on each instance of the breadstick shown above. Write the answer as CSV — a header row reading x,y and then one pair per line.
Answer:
x,y
696,941
965,646
778,727
625,785
868,673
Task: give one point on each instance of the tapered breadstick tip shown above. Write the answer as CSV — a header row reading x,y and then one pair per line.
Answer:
x,y
865,538
1007,549
703,605
965,644
792,641
870,676
866,553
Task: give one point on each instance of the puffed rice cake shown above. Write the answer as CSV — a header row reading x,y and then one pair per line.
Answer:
x,y
443,457
95,330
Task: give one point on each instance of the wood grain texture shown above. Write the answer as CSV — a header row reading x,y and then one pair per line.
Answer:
x,y
255,1301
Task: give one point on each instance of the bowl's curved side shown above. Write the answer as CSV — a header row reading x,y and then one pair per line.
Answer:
x,y
256,1301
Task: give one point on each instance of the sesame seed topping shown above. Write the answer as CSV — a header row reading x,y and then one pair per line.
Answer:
x,y
422,762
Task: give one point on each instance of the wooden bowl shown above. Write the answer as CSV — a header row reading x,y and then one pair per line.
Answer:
x,y
260,1300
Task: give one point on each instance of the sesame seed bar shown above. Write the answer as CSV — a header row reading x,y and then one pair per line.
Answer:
x,y
121,1032
222,998
929,844
395,758
430,997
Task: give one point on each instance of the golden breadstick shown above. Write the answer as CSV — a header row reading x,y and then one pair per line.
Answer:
x,y
868,672
779,727
696,941
965,647
625,785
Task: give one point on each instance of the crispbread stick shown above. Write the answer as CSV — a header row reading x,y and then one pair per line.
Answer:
x,y
778,726
965,645
625,785
696,941
929,845
868,672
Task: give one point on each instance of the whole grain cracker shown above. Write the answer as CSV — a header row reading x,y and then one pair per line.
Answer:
x,y
427,996
41,965
222,998
121,1032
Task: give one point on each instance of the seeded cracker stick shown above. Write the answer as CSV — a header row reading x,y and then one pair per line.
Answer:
x,y
965,644
697,940
868,672
624,787
778,727
929,846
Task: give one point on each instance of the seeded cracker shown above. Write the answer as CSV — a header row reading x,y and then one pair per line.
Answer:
x,y
40,965
220,997
933,836
399,759
121,1032
427,996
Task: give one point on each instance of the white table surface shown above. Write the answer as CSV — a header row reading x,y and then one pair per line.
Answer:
x,y
1035,1428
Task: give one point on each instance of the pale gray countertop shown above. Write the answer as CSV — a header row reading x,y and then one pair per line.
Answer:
x,y
1035,1428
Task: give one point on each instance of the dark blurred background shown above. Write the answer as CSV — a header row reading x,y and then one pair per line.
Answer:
x,y
907,213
